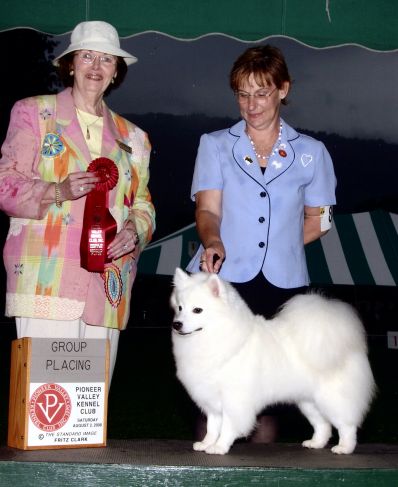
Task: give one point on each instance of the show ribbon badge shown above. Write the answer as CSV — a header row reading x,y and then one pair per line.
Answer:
x,y
99,226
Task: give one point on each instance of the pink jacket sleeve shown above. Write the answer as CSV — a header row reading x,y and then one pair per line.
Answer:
x,y
21,188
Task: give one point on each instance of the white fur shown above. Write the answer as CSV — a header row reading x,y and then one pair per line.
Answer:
x,y
233,364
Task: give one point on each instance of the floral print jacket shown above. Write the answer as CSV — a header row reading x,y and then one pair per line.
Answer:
x,y
44,144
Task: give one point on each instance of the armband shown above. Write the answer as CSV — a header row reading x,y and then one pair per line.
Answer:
x,y
326,214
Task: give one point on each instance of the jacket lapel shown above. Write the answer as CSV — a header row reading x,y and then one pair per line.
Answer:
x,y
280,162
69,127
110,135
284,155
243,154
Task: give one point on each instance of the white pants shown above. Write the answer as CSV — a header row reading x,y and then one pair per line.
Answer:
x,y
38,328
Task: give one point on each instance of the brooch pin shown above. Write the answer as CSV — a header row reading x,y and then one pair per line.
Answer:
x,y
124,146
282,153
248,160
52,145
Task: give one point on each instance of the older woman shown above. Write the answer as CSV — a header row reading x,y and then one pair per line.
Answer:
x,y
262,191
51,141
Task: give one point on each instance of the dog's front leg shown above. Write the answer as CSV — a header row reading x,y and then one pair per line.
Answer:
x,y
225,440
347,439
212,433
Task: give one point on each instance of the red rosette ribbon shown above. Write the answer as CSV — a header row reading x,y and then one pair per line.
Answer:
x,y
107,170
99,226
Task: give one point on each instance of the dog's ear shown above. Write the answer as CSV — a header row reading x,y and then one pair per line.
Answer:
x,y
179,276
215,285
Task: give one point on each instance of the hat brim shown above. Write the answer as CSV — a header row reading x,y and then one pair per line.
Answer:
x,y
100,47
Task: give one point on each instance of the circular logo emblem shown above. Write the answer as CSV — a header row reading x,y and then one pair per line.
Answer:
x,y
50,407
52,145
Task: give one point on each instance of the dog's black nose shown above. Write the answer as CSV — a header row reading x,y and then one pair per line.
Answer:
x,y
177,325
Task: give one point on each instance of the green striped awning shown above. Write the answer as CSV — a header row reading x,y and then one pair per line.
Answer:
x,y
360,249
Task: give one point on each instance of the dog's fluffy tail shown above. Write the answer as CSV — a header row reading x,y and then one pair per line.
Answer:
x,y
326,331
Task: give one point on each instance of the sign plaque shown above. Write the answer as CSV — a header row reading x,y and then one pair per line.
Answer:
x,y
58,393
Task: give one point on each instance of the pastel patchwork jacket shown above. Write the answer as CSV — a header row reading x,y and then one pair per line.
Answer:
x,y
44,144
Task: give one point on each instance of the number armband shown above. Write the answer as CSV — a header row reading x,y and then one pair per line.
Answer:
x,y
326,214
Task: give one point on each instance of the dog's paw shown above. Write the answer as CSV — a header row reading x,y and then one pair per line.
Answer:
x,y
313,444
200,446
217,449
343,449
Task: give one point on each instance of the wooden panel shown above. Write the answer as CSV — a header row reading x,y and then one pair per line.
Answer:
x,y
19,392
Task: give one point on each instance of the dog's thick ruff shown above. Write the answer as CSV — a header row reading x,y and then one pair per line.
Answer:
x,y
313,353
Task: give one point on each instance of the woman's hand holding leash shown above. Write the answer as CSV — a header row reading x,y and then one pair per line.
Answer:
x,y
212,258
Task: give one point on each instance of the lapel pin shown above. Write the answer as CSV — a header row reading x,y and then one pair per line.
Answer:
x,y
306,159
282,153
276,164
52,145
124,146
248,160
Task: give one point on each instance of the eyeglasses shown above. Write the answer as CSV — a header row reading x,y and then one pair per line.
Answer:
x,y
87,57
260,96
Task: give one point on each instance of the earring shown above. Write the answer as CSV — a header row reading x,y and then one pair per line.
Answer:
x,y
113,80
71,72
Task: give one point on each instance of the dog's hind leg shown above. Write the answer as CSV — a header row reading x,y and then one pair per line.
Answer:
x,y
347,439
322,427
214,422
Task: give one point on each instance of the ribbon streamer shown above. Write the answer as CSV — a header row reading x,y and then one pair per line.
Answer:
x,y
99,226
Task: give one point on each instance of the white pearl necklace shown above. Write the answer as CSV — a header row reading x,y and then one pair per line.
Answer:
x,y
274,149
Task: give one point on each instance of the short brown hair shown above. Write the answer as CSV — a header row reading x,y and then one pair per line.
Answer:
x,y
65,66
267,65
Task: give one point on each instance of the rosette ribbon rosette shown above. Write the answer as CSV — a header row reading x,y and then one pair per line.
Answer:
x,y
99,226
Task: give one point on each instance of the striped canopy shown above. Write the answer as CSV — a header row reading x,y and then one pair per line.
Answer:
x,y
360,249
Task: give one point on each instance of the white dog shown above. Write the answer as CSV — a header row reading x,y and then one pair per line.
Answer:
x,y
313,353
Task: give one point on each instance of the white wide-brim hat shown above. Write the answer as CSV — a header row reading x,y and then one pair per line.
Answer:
x,y
99,36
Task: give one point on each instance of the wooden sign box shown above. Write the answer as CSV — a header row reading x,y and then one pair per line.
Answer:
x,y
58,393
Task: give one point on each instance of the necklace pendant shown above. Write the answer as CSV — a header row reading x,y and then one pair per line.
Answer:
x,y
87,134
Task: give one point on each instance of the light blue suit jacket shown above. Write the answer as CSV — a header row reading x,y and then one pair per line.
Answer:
x,y
263,214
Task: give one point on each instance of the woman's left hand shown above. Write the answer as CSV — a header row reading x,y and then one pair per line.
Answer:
x,y
124,243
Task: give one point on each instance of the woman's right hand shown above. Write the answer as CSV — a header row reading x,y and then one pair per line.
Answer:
x,y
208,219
212,257
77,184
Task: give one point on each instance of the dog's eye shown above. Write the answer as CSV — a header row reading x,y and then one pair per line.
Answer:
x,y
179,308
197,310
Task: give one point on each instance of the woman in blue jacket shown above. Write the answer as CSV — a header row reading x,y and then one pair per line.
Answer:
x,y
262,190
